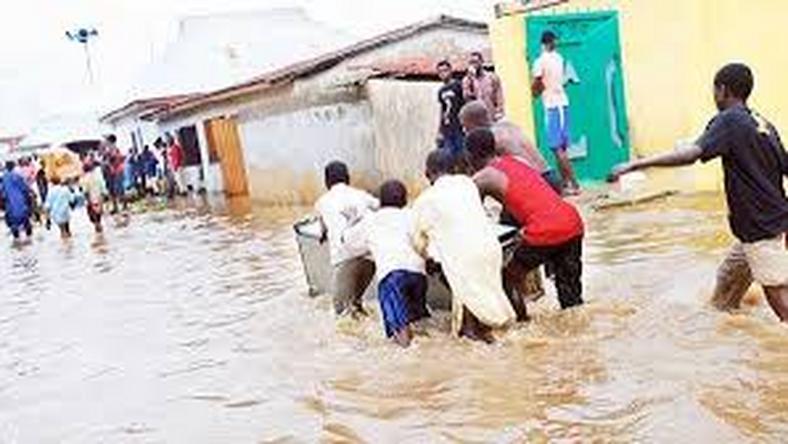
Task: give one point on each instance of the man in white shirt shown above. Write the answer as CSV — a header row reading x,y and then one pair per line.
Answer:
x,y
340,208
548,74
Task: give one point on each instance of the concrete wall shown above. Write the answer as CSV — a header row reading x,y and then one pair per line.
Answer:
x,y
671,51
406,125
285,153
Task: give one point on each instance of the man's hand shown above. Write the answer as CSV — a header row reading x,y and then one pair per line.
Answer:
x,y
619,170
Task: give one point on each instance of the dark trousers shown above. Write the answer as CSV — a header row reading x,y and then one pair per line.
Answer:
x,y
567,263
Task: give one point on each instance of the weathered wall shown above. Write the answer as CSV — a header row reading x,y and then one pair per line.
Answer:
x,y
285,153
671,51
405,124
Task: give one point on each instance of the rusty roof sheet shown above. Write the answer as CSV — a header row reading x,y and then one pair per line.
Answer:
x,y
420,66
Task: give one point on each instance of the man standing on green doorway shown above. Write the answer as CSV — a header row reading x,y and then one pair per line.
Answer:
x,y
548,74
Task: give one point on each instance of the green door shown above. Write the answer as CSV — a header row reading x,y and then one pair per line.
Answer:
x,y
589,43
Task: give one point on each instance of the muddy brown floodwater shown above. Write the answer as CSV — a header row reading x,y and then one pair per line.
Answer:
x,y
193,326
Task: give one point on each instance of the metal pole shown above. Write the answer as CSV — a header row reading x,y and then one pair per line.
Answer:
x,y
87,60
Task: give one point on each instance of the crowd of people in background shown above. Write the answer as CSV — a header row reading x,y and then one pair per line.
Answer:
x,y
107,178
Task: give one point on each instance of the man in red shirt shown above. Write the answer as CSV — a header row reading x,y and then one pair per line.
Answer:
x,y
552,228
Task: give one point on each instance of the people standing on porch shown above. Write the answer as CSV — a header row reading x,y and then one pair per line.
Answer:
x,y
548,82
452,229
552,229
479,84
755,164
450,99
341,207
17,201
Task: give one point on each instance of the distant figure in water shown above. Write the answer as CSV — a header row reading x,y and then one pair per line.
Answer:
x,y
402,283
755,164
17,201
453,229
95,189
340,208
58,205
552,229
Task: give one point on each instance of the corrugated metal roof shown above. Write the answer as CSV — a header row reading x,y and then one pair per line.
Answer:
x,y
318,64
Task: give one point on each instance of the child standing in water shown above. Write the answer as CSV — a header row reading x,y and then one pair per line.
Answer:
x,y
402,284
95,188
340,208
58,205
452,225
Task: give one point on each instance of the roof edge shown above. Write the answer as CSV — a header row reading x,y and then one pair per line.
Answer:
x,y
316,64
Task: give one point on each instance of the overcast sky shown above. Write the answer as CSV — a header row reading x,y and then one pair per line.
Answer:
x,y
42,73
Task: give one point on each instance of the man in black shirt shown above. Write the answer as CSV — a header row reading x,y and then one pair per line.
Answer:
x,y
755,163
450,134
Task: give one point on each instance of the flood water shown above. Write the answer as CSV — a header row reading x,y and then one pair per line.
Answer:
x,y
193,325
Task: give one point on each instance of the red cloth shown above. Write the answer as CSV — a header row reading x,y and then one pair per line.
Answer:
x,y
117,162
176,157
546,218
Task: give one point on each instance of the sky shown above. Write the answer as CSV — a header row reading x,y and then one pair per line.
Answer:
x,y
43,74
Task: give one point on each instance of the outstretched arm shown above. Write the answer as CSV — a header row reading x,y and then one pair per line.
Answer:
x,y
683,156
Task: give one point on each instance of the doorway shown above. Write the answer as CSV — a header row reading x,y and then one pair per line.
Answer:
x,y
223,139
590,46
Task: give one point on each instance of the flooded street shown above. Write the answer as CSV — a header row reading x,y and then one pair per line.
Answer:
x,y
194,326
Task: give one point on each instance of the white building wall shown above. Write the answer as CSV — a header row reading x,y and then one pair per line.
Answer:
x,y
146,131
286,153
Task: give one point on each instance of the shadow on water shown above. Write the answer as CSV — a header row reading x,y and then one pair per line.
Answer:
x,y
193,324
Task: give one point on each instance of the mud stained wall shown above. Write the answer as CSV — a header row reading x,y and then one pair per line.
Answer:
x,y
285,153
405,126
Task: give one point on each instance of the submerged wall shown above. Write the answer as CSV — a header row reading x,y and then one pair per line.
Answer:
x,y
671,51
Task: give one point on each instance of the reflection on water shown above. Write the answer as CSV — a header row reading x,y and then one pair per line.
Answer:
x,y
193,325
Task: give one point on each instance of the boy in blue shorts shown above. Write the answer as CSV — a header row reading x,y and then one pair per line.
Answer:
x,y
402,283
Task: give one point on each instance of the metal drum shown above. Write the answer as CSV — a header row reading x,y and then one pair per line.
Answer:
x,y
317,265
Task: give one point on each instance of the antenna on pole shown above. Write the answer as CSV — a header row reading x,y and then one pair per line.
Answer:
x,y
83,37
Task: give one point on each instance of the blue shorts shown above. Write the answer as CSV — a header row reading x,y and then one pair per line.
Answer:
x,y
403,299
557,125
